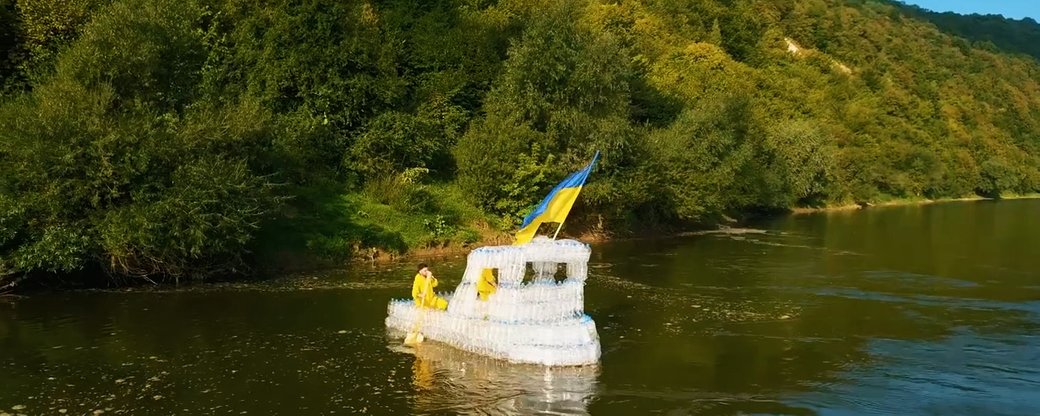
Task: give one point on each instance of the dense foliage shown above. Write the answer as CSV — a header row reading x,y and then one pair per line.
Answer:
x,y
193,138
987,31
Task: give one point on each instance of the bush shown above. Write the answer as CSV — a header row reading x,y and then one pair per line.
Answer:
x,y
199,226
392,143
107,164
997,177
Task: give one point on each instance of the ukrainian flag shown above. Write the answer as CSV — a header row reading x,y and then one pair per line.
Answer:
x,y
556,205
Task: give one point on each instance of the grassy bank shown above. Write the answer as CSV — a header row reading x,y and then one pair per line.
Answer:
x,y
390,217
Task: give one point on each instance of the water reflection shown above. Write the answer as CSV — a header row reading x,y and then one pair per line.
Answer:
x,y
447,379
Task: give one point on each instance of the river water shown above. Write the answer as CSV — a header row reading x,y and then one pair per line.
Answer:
x,y
930,309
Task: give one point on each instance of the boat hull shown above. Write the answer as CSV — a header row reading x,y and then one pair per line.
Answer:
x,y
570,341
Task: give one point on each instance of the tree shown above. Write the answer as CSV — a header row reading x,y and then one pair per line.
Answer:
x,y
106,166
560,96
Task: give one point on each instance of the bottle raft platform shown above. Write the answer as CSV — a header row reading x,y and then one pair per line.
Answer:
x,y
530,318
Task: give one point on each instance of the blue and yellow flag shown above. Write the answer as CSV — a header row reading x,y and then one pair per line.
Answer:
x,y
556,205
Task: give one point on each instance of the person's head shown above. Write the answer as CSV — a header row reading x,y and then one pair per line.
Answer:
x,y
423,269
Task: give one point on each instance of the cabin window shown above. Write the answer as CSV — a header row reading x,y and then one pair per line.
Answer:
x,y
561,273
545,272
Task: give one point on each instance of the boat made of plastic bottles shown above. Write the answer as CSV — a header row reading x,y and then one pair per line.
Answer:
x,y
532,317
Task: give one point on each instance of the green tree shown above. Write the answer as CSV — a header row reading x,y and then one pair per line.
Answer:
x,y
561,96
105,165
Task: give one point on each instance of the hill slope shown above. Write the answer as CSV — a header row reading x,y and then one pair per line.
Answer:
x,y
177,138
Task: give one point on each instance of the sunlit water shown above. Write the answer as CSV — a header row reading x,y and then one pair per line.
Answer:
x,y
909,310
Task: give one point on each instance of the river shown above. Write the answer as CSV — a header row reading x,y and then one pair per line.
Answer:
x,y
931,309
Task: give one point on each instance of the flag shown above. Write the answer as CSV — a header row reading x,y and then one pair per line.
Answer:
x,y
556,205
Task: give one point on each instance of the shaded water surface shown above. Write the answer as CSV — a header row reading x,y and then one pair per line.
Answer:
x,y
904,310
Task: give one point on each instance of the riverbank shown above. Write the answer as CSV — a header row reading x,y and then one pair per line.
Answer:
x,y
600,236
905,202
294,262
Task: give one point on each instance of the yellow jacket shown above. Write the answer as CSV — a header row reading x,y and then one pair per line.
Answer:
x,y
486,285
430,299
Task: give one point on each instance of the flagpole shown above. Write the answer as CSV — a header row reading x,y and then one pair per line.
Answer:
x,y
558,230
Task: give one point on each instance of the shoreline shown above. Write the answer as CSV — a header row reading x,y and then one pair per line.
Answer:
x,y
600,237
304,264
905,202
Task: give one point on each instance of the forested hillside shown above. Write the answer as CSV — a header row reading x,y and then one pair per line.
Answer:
x,y
183,139
1009,35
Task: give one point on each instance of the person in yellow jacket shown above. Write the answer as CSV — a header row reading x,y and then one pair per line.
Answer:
x,y
421,289
487,284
